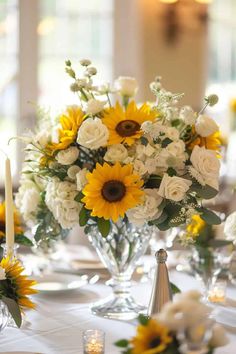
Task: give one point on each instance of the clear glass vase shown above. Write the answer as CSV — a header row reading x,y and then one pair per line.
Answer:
x,y
4,316
120,252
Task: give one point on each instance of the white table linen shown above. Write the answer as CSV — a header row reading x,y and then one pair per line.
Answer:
x,y
56,326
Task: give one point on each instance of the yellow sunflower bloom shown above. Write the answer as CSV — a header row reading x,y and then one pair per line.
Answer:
x,y
233,105
211,142
21,286
17,223
195,226
70,122
125,126
152,338
112,190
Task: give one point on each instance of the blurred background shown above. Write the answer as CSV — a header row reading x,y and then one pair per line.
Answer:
x,y
190,43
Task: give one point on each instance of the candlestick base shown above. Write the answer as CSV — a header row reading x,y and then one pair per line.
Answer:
x,y
10,251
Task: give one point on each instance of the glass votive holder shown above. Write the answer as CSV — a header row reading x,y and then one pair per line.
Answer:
x,y
11,251
217,291
93,341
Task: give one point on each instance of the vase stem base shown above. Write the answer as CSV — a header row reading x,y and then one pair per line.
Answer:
x,y
118,308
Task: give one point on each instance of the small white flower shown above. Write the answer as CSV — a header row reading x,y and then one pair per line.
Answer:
x,y
205,126
81,179
147,126
172,133
174,188
43,137
187,115
148,210
91,71
85,62
115,153
72,171
139,167
126,86
68,156
93,134
230,226
94,106
2,274
206,163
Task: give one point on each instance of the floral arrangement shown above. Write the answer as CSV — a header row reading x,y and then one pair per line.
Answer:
x,y
181,325
230,227
20,238
110,159
15,288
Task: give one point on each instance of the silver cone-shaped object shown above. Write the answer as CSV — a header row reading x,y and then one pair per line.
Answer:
x,y
161,290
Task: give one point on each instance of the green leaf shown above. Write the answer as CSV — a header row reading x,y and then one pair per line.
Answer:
x,y
171,172
174,288
103,226
79,196
23,240
14,310
144,141
204,192
166,142
122,343
209,216
154,181
143,319
220,243
164,225
175,122
83,217
160,220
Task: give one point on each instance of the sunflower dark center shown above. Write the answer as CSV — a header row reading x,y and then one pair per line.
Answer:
x,y
113,191
155,343
127,127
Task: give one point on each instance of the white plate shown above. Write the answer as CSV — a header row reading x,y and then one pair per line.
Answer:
x,y
59,283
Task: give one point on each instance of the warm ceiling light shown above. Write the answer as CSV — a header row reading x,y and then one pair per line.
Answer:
x,y
169,1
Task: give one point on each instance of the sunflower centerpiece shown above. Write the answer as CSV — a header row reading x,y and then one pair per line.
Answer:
x,y
118,168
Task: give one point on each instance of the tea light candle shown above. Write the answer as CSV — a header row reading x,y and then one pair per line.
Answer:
x,y
217,292
93,342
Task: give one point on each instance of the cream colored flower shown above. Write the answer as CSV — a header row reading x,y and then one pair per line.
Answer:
x,y
81,179
116,152
68,156
187,115
93,134
205,126
126,86
94,106
174,188
72,171
148,210
219,337
230,227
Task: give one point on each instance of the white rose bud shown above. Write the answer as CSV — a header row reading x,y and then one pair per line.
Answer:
x,y
115,153
81,179
206,163
2,274
187,115
94,106
174,188
68,156
230,227
205,126
72,171
93,134
126,86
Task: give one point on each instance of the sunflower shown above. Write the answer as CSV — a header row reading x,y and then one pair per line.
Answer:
x,y
151,338
70,122
112,190
17,224
18,285
196,225
211,142
125,126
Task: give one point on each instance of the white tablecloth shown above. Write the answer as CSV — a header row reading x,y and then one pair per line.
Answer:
x,y
56,326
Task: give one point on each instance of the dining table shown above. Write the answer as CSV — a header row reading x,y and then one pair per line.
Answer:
x,y
56,325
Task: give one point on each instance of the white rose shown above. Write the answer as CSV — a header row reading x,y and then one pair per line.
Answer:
x,y
126,86
55,134
142,150
72,171
139,167
177,149
148,210
187,115
174,188
205,126
93,134
172,133
206,163
2,273
42,138
81,179
94,106
219,337
115,153
150,165
68,156
230,226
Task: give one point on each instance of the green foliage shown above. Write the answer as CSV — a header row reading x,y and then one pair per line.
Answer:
x,y
209,216
143,319
83,216
14,310
171,172
154,181
166,142
23,240
174,289
104,226
144,141
79,196
122,343
203,192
